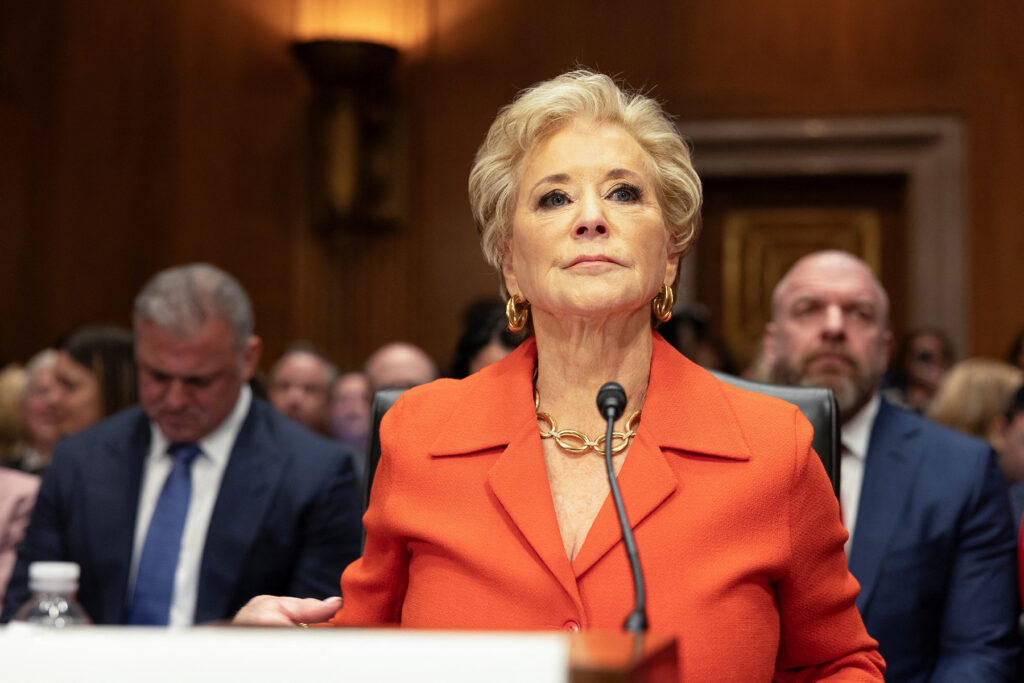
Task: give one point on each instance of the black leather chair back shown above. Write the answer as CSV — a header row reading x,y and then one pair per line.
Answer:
x,y
817,405
382,400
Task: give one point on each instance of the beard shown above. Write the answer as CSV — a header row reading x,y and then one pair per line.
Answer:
x,y
852,383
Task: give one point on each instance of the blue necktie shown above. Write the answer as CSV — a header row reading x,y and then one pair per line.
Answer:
x,y
154,583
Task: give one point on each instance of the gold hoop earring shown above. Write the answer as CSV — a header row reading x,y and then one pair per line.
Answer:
x,y
661,305
517,310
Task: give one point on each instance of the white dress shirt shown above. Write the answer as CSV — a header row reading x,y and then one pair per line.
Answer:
x,y
856,434
207,471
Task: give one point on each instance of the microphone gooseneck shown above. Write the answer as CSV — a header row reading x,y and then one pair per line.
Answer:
x,y
611,401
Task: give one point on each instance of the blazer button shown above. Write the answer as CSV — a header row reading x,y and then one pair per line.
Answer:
x,y
571,625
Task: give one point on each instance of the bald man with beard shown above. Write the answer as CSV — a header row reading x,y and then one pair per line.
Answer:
x,y
931,534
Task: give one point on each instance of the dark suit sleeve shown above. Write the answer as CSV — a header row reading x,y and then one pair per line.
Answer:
x,y
978,632
44,539
331,534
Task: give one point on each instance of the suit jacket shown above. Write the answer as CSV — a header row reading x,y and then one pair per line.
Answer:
x,y
286,519
17,494
934,551
737,527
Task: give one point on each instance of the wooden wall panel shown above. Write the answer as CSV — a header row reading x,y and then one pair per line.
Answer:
x,y
239,102
27,149
995,106
174,130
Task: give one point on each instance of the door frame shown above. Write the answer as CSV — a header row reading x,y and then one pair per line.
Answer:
x,y
929,151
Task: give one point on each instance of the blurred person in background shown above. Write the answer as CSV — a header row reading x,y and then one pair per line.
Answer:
x,y
12,431
973,395
350,415
399,365
485,338
1009,430
300,387
17,489
17,495
96,377
922,359
39,412
689,331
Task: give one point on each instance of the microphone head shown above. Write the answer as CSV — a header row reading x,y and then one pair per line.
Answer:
x,y
611,400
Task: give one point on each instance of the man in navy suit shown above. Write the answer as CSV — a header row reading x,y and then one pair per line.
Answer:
x,y
183,508
931,536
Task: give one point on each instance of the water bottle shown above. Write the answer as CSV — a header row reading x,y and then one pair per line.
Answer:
x,y
53,603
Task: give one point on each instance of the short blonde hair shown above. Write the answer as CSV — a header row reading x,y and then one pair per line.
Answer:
x,y
973,393
538,111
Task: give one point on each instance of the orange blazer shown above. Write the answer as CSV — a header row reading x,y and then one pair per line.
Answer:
x,y
737,527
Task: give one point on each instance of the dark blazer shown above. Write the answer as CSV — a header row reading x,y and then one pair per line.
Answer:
x,y
286,520
934,551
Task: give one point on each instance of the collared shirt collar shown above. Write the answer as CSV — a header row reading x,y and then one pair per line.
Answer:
x,y
217,444
857,431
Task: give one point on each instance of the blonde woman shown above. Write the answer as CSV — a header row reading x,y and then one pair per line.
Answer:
x,y
973,394
483,515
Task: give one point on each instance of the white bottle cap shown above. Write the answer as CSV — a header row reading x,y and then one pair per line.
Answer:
x,y
53,577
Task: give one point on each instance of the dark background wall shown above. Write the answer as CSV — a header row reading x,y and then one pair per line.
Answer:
x,y
135,136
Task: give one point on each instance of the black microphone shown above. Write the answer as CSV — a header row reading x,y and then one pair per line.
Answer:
x,y
611,401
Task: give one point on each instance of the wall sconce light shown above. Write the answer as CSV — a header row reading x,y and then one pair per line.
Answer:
x,y
357,181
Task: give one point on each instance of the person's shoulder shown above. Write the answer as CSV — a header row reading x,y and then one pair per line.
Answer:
x,y
753,404
939,440
419,413
14,483
436,396
460,415
290,435
745,399
948,459
113,432
694,409
754,398
765,418
441,397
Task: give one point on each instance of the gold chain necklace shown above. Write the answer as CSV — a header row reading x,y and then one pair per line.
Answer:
x,y
575,441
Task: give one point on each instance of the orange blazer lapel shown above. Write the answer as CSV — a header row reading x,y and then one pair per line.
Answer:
x,y
675,418
519,481
646,481
498,412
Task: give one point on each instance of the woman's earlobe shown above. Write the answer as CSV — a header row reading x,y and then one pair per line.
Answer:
x,y
511,284
672,270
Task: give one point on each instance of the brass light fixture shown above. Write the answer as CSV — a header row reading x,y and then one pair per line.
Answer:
x,y
357,170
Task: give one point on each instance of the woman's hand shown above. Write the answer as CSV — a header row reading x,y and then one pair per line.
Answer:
x,y
273,610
